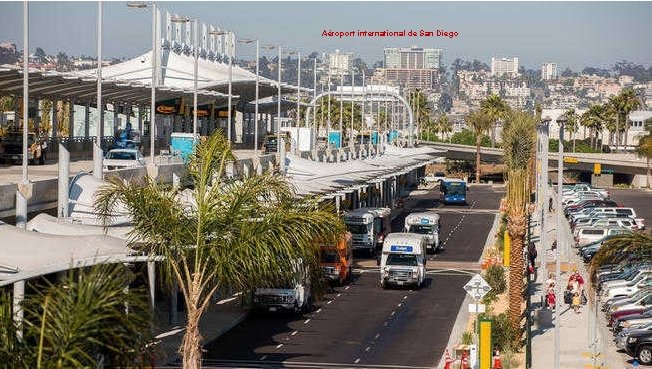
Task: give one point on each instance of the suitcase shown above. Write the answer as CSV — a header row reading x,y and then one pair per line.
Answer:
x,y
568,297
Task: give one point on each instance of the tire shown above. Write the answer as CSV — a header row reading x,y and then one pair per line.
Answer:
x,y
644,354
383,285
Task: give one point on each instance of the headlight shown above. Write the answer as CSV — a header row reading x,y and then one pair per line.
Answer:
x,y
632,339
625,324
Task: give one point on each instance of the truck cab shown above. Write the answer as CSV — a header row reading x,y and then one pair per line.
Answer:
x,y
294,295
337,259
403,260
427,224
368,227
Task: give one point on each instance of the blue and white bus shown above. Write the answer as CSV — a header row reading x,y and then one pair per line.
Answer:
x,y
452,191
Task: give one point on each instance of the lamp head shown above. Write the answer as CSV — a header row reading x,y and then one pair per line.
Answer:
x,y
137,4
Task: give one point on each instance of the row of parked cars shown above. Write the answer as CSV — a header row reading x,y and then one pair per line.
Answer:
x,y
594,218
625,289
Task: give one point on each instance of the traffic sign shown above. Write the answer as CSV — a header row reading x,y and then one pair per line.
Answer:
x,y
477,287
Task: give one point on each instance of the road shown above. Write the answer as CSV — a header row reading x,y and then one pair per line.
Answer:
x,y
360,325
640,200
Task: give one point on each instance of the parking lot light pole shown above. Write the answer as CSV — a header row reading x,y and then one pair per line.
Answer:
x,y
152,114
195,47
230,54
560,234
248,41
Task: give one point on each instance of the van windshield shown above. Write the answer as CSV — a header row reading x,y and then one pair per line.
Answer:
x,y
421,229
358,228
402,259
330,256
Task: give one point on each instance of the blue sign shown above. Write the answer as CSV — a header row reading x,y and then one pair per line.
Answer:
x,y
335,139
399,248
424,221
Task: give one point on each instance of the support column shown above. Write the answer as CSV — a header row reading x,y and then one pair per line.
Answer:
x,y
71,121
151,279
19,296
55,120
140,119
87,119
337,204
64,176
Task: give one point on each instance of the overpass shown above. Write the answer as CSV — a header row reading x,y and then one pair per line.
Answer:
x,y
628,164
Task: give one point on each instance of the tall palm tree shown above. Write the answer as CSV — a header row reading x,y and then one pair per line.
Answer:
x,y
80,321
480,123
617,248
518,149
443,125
571,124
594,120
233,233
626,102
496,109
420,108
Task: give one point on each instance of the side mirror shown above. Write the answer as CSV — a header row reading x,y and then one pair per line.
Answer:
x,y
378,260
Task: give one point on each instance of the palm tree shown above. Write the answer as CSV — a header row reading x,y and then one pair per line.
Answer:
x,y
594,119
518,147
443,125
480,123
495,108
626,102
571,124
83,320
235,233
617,248
420,108
645,150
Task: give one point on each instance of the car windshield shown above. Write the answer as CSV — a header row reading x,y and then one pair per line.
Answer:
x,y
121,155
330,256
402,259
358,228
455,188
421,229
440,174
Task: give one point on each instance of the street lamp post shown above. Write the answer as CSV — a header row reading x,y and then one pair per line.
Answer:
x,y
152,108
230,53
97,147
341,106
195,21
314,91
560,239
248,41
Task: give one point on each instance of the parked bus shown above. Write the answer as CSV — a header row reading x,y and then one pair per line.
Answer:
x,y
452,191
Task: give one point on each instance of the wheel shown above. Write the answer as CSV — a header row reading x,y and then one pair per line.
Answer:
x,y
645,355
383,284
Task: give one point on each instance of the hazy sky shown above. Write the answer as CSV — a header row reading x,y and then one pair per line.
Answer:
x,y
572,34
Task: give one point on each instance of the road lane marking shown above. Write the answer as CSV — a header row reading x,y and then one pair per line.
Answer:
x,y
318,310
376,336
262,358
294,333
347,287
399,305
339,294
306,321
393,313
329,301
279,345
356,361
308,364
367,348
404,297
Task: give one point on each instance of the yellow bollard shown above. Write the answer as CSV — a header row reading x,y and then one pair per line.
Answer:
x,y
507,243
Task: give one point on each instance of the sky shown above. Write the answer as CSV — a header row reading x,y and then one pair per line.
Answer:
x,y
574,35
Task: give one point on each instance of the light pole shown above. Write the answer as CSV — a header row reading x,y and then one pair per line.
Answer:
x,y
341,107
248,41
560,239
152,108
97,147
314,91
328,116
231,54
298,122
352,115
195,47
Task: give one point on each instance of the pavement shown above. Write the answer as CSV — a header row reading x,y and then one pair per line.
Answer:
x,y
585,341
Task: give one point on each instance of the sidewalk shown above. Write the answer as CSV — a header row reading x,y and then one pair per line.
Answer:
x,y
584,339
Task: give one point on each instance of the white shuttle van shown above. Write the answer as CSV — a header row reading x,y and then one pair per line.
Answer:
x,y
403,261
427,224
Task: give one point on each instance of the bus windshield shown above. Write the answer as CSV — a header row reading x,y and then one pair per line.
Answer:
x,y
453,188
358,228
402,259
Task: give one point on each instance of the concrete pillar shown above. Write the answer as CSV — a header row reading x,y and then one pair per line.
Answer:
x,y
151,279
19,296
87,120
71,121
98,157
64,176
140,119
21,209
115,121
55,120
337,204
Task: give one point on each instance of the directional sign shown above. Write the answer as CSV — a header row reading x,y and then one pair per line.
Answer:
x,y
477,287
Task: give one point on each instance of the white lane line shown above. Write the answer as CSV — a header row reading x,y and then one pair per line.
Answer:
x,y
294,333
393,313
367,348
385,324
399,305
329,301
306,321
347,287
279,346
262,358
226,300
376,336
339,294
318,310
356,361
404,297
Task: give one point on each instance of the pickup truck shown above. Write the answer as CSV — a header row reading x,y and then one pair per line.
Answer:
x,y
11,147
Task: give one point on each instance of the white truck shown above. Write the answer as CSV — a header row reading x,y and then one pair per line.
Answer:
x,y
403,260
294,296
368,227
426,224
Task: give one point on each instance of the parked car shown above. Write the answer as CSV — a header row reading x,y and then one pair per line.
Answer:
x,y
123,158
644,301
435,177
639,346
628,321
618,288
622,336
588,235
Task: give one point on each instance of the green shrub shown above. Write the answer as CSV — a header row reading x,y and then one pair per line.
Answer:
x,y
502,334
467,338
495,276
467,137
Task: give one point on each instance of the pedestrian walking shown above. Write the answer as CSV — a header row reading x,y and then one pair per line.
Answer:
x,y
550,205
577,302
532,254
551,298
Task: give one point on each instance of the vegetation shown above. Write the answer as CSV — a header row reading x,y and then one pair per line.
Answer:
x,y
496,109
467,137
580,146
644,149
495,276
85,320
572,124
518,146
420,109
322,114
238,234
480,124
620,247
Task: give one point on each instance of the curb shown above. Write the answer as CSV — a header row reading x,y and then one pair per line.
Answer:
x,y
463,315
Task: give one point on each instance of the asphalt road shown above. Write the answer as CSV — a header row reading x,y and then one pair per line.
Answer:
x,y
640,200
361,325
